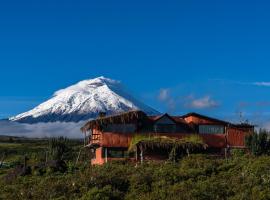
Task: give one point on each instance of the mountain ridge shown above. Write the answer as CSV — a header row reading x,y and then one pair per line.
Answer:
x,y
83,101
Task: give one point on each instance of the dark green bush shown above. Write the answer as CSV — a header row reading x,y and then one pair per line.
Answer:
x,y
259,143
105,193
198,177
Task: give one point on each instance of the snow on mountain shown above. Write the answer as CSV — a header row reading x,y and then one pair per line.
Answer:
x,y
83,101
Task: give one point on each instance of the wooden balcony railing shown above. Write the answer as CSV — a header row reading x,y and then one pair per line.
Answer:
x,y
93,139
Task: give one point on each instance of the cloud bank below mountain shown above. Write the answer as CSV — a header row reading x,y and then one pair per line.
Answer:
x,y
41,130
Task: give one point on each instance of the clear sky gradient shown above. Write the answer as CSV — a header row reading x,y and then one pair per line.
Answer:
x,y
206,56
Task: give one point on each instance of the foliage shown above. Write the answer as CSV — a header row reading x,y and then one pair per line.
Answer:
x,y
259,143
197,177
175,146
105,193
36,150
192,142
59,148
236,153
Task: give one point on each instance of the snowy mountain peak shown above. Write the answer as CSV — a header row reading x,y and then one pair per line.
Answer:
x,y
85,85
83,101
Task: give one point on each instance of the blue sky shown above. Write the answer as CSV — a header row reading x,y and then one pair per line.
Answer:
x,y
206,56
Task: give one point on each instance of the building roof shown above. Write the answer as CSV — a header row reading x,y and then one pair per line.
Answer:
x,y
140,116
123,118
176,119
241,125
205,117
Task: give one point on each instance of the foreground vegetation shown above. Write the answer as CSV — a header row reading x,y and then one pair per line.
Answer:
x,y
242,176
195,177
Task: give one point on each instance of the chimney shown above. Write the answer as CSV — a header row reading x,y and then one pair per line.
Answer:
x,y
101,114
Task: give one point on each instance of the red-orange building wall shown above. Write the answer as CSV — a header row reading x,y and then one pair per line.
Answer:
x,y
123,140
236,136
98,160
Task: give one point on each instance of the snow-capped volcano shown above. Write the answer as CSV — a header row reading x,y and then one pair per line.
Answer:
x,y
83,101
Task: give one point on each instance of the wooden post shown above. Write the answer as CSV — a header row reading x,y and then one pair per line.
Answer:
x,y
106,154
25,161
226,139
141,154
77,160
84,138
226,152
187,152
2,160
46,156
136,154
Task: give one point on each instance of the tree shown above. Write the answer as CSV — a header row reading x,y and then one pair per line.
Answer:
x,y
59,148
259,143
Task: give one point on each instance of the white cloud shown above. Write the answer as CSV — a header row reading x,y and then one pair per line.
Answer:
x,y
258,83
41,130
201,103
174,103
164,94
166,97
264,84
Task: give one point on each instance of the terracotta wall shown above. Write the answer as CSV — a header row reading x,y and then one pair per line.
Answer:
x,y
214,140
123,140
116,139
236,136
98,160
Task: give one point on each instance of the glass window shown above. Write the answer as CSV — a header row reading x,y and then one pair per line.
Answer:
x,y
211,129
115,153
164,128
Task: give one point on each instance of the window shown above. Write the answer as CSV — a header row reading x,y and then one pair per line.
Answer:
x,y
165,128
115,153
211,129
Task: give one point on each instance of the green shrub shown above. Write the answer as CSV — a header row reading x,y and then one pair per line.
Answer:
x,y
236,153
105,193
198,177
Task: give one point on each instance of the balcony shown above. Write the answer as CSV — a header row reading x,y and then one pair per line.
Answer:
x,y
93,140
